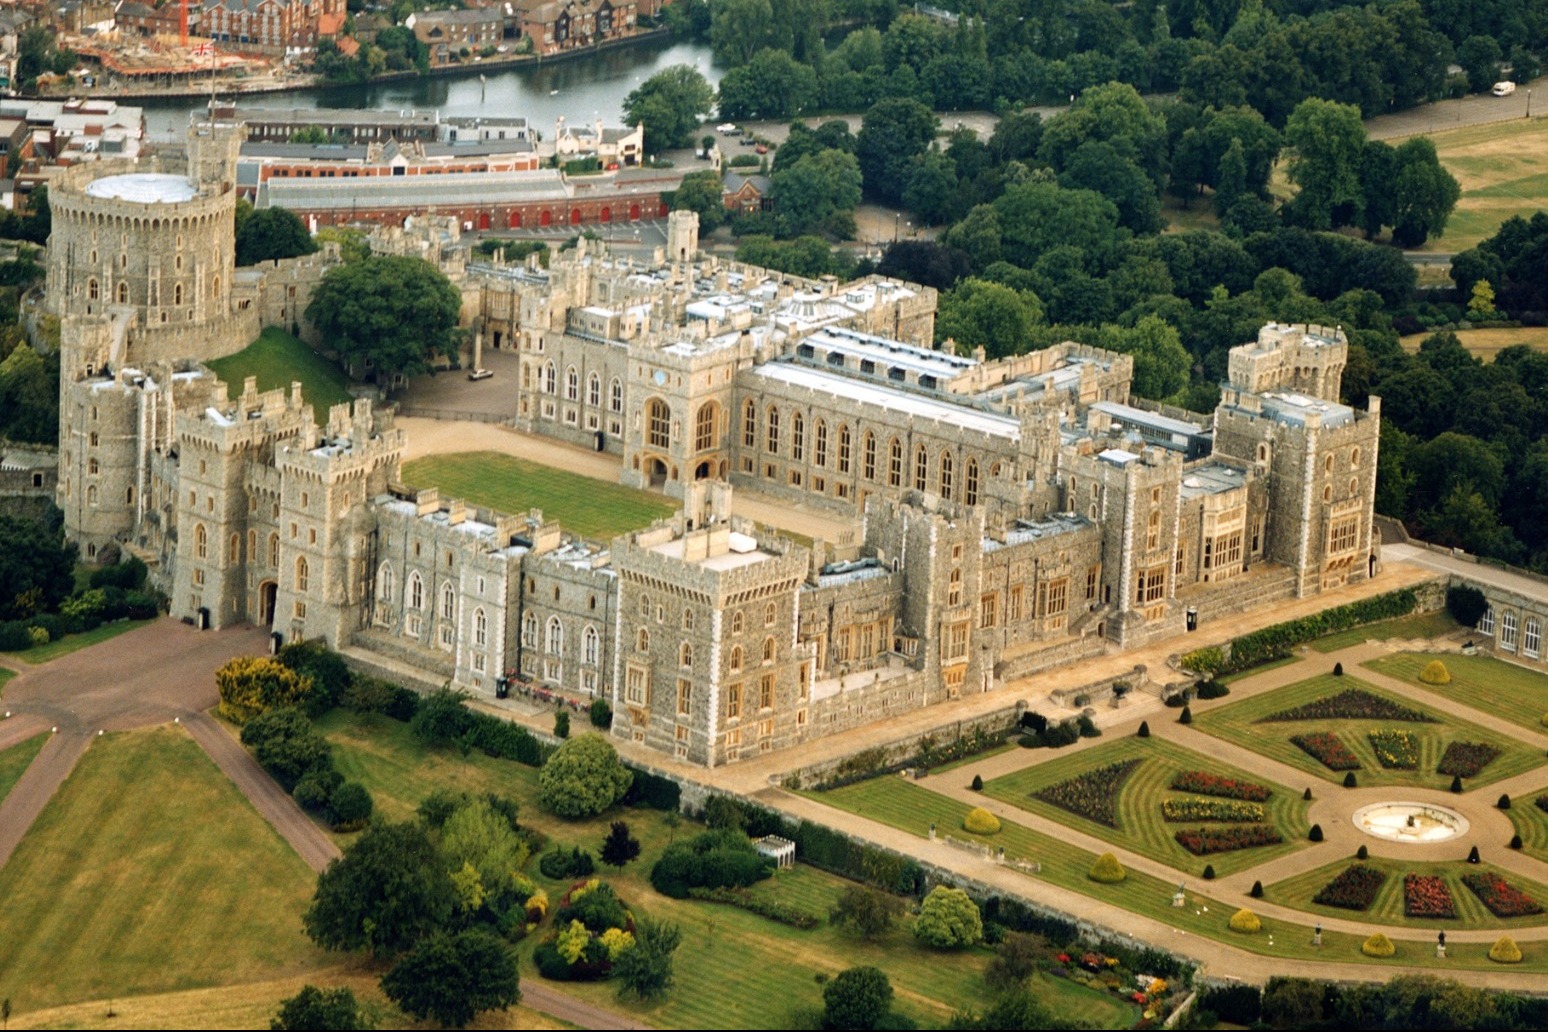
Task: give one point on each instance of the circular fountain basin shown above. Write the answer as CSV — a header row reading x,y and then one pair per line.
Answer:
x,y
1416,823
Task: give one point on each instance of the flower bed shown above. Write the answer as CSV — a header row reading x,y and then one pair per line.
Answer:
x,y
1395,750
1327,749
1203,841
1202,782
1355,888
1092,795
1466,759
1502,898
1351,704
1425,895
1233,810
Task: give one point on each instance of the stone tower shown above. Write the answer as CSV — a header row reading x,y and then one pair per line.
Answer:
x,y
682,237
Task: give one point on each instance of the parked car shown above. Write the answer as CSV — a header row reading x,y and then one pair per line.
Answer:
x,y
1504,89
726,129
480,374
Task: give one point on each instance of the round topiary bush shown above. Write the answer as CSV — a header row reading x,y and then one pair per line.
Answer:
x,y
1257,890
1472,855
1362,853
1456,783
981,822
1107,870
1315,835
1349,780
1435,672
1504,803
1515,842
1209,872
1505,951
1144,730
1378,945
978,783
1186,717
1246,922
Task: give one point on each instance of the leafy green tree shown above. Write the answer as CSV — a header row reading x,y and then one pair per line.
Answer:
x,y
1097,165
1424,194
948,919
741,28
391,312
1326,141
701,192
856,998
772,85
1115,114
808,256
388,891
815,189
1161,363
1480,58
29,396
583,777
285,744
271,233
37,566
353,243
894,132
1230,178
1037,217
451,978
645,971
314,1008
868,911
478,836
670,105
932,192
978,313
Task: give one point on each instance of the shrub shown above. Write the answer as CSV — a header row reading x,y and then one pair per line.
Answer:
x,y
327,670
286,745
1350,704
1515,842
1466,759
981,822
1378,945
1144,729
1338,670
601,714
1504,803
1087,728
1209,872
948,919
1500,897
559,865
1472,855
562,724
1246,922
1256,892
253,685
978,783
1316,833
583,778
1306,795
1349,780
1456,783
1203,841
1362,853
1505,951
715,859
37,636
1211,690
856,998
1466,605
1435,672
352,805
1186,716
1327,749
1425,895
1395,750
1107,870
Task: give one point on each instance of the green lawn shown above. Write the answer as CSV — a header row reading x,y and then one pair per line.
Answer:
x,y
148,872
1419,625
734,969
6,673
1237,723
1140,827
14,761
1261,668
70,642
1500,169
279,359
1531,823
1492,685
590,508
903,804
1297,892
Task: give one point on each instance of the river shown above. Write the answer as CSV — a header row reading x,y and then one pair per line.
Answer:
x,y
579,88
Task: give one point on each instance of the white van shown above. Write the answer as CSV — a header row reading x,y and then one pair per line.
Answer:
x,y
1504,89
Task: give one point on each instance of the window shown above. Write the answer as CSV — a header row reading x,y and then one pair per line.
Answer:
x,y
302,573
769,615
1343,535
637,685
1151,585
945,475
736,659
1153,532
970,483
658,422
448,602
921,469
868,469
820,444
766,692
1354,458
733,701
704,426
447,636
684,697
736,622
529,631
480,628
843,448
590,645
615,396
768,649
956,642
1532,638
749,425
93,440
895,464
954,588
642,641
92,467
797,437
593,390
771,424
988,610
571,384
201,541
685,655
553,641
1058,597
234,549
1486,622
274,552
1508,629
416,592
687,618
644,607
1013,609
550,379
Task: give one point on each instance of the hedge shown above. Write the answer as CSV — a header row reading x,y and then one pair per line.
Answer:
x,y
652,791
1275,642
774,910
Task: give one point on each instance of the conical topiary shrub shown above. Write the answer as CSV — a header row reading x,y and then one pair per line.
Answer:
x,y
1504,803
1246,922
978,783
1257,890
1362,853
1186,717
1209,872
1456,783
1338,670
1505,951
1472,855
1435,672
1144,729
1378,945
1349,780
1515,842
1316,833
1306,795
1107,870
981,822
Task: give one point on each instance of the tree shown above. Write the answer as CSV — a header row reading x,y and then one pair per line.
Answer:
x,y
1480,58
856,998
251,685
29,395
620,846
894,132
1423,192
478,836
583,777
1466,604
948,918
1015,959
1326,141
394,313
353,243
271,233
451,978
815,189
285,744
388,891
701,192
36,566
1161,364
669,105
865,910
314,1008
978,313
931,191
646,970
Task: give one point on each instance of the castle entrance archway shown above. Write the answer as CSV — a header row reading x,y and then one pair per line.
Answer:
x,y
658,472
268,592
704,471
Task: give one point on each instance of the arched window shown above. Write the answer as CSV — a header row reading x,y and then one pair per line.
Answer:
x,y
201,541
736,622
843,456
590,646
123,293
384,580
736,659
771,422
687,618
642,641
593,390
91,494
274,552
92,467
91,290
970,483
798,437
416,592
820,443
768,649
571,384
480,628
252,545
177,294
615,395
921,469
769,615
553,643
868,457
448,602
529,631
685,655
704,426
1153,531
945,478
895,464
749,425
658,423
302,572
550,379
234,550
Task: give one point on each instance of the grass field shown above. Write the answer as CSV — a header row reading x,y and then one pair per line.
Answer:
x,y
1237,723
590,508
6,673
70,642
1297,892
1483,682
734,969
1261,668
1140,826
278,359
1485,344
14,761
148,872
902,804
1531,824
1503,170
1420,625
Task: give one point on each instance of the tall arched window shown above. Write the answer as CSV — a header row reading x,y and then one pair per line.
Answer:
x,y
123,293
820,443
480,628
868,457
770,613
553,643
416,591
177,293
384,580
642,641
895,463
768,649
550,379
798,437
843,456
274,551
448,602
704,426
687,618
736,659
945,477
571,384
302,573
91,290
615,395
529,631
685,655
771,422
970,483
658,423
590,646
921,469
749,425
201,541
593,390
234,550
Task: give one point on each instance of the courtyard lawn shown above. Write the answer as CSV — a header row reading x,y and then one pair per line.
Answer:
x,y
71,642
734,969
590,508
1238,723
1492,685
902,804
279,359
149,872
1140,825
1500,169
15,760
1419,625
1387,909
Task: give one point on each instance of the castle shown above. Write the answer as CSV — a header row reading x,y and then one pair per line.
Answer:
x,y
1007,516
